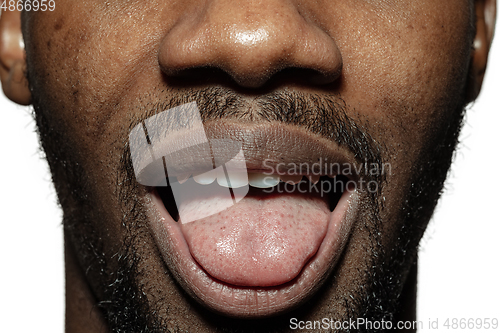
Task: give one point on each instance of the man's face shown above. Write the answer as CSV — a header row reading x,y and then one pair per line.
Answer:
x,y
357,83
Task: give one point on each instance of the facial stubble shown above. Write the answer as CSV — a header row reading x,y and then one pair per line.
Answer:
x,y
126,304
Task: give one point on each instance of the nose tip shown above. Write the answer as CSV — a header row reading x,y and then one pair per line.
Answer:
x,y
251,41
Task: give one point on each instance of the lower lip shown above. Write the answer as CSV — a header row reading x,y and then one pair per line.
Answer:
x,y
251,302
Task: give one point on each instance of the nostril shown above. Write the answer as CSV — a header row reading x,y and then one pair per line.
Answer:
x,y
199,76
306,76
287,76
215,76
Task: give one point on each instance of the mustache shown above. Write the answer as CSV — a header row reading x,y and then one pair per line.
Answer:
x,y
325,115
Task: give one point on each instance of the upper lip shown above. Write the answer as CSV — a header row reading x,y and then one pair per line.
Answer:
x,y
279,145
270,147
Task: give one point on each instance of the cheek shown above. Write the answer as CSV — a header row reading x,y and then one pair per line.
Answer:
x,y
86,67
405,76
405,72
83,60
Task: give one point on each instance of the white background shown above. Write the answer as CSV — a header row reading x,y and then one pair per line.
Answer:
x,y
458,274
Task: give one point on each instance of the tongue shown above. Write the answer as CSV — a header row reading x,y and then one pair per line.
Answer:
x,y
264,240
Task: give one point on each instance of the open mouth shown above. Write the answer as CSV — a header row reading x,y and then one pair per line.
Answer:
x,y
262,256
264,250
329,188
264,240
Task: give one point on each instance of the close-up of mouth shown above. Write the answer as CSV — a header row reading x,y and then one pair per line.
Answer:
x,y
267,249
248,166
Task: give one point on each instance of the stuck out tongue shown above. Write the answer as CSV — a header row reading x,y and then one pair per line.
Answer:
x,y
263,240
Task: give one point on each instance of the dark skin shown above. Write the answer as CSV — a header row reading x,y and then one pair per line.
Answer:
x,y
398,72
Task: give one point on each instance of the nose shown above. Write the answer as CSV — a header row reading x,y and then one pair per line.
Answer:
x,y
251,40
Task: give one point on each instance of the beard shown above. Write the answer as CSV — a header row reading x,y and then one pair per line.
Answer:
x,y
374,294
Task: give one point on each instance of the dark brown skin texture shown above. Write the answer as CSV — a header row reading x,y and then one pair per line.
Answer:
x,y
404,70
